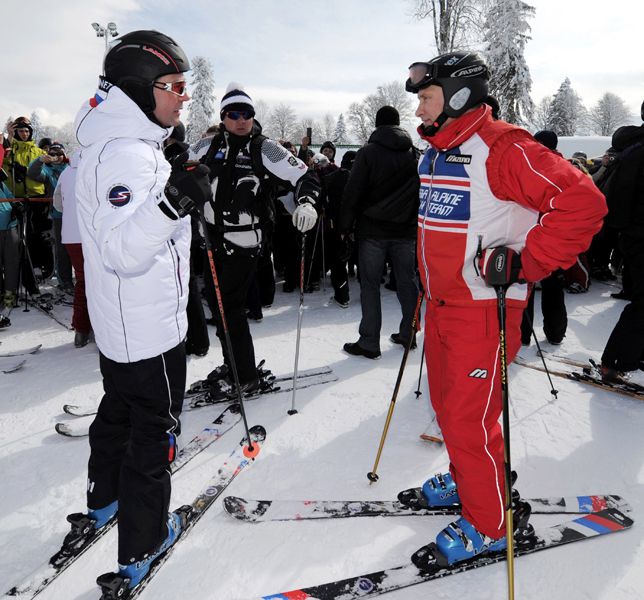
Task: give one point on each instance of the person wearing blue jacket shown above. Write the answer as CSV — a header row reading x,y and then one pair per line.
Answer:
x,y
9,255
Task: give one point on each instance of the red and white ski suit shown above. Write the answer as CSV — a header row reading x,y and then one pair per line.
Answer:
x,y
484,184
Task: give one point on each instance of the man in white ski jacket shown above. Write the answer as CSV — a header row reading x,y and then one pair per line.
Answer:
x,y
136,240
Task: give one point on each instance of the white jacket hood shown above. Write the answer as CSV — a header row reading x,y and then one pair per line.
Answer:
x,y
110,114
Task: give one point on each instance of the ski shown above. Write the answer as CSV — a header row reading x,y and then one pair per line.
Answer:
x,y
256,511
592,525
282,383
47,308
627,389
79,410
203,385
11,353
66,556
11,365
76,428
114,586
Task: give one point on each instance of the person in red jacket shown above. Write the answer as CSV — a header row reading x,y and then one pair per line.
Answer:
x,y
487,187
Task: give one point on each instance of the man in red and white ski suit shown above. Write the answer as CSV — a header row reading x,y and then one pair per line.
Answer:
x,y
486,184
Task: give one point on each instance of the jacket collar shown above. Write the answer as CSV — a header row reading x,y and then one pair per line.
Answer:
x,y
460,129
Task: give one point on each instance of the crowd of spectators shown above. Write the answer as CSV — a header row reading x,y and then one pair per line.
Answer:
x,y
362,210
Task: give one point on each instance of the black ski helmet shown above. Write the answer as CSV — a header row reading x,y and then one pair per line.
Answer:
x,y
462,75
137,59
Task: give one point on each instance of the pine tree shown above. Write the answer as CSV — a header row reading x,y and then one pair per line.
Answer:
x,y
506,34
328,128
567,111
202,106
340,134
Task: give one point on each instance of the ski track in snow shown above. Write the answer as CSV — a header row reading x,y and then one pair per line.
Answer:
x,y
586,441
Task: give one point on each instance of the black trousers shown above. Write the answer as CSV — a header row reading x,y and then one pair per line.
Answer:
x,y
133,441
553,307
625,347
235,274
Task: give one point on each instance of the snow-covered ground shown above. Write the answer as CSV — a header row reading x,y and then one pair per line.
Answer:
x,y
586,441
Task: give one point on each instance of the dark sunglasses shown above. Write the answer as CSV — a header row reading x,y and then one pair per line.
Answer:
x,y
235,115
178,88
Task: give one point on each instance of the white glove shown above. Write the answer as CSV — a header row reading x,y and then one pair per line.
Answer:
x,y
304,217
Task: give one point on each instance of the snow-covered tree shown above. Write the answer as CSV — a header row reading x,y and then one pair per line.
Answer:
x,y
39,130
202,107
506,34
340,133
541,114
328,128
262,111
282,122
567,111
457,23
608,114
361,121
362,115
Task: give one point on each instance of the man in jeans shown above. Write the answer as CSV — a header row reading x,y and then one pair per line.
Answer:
x,y
380,205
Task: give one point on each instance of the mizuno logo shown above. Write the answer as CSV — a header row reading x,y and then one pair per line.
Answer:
x,y
463,159
479,374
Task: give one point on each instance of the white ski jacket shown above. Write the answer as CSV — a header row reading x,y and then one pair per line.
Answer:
x,y
136,258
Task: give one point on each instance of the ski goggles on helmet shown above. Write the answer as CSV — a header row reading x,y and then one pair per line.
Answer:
x,y
235,115
421,74
178,88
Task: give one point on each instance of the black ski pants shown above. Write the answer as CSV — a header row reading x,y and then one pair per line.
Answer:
x,y
625,347
132,442
235,274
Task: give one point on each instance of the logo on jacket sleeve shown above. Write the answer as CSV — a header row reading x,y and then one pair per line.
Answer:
x,y
119,195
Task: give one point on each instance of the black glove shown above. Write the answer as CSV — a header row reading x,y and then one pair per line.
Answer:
x,y
501,267
188,187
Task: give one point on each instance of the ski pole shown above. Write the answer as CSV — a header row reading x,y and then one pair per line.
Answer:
x,y
420,372
372,475
224,325
315,245
509,525
323,255
553,391
299,325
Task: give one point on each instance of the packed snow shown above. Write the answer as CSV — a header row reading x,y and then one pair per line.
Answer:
x,y
585,441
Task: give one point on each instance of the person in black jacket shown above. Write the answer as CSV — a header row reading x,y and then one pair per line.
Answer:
x,y
338,247
380,203
244,164
624,351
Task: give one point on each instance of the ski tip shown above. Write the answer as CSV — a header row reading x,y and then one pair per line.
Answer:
x,y
234,506
62,429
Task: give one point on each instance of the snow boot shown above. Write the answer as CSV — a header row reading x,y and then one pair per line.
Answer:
x,y
137,570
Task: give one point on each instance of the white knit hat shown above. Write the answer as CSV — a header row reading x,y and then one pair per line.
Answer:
x,y
235,98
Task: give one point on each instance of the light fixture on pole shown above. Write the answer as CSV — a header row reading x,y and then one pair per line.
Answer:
x,y
105,32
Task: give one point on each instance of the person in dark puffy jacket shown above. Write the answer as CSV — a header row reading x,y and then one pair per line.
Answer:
x,y
623,355
380,205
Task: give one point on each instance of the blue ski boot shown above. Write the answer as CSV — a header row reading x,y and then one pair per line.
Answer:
x,y
137,570
104,515
440,490
461,541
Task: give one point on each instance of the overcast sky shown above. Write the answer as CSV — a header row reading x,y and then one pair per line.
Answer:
x,y
316,56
